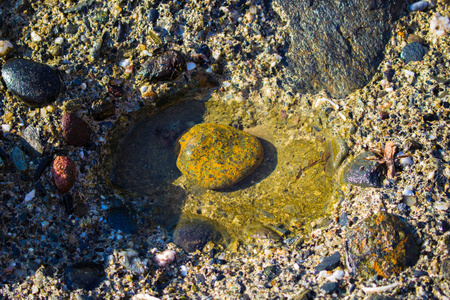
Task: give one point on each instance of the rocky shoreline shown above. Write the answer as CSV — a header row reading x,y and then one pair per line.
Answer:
x,y
135,76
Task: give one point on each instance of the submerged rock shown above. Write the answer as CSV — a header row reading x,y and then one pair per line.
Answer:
x,y
36,84
85,275
381,245
337,45
363,172
412,52
217,156
122,218
337,150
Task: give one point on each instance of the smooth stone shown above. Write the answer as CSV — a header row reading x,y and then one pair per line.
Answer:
x,y
382,245
192,235
36,84
337,150
122,218
329,263
32,139
218,156
75,131
336,46
272,272
412,52
420,273
363,172
19,159
329,287
84,275
380,297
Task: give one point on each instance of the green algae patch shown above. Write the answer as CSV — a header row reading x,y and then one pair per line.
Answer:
x,y
217,156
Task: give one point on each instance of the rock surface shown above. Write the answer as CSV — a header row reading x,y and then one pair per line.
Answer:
x,y
75,131
63,173
338,45
381,245
36,84
217,156
363,172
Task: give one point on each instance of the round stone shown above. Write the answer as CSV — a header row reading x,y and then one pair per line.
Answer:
x,y
412,52
75,130
84,275
381,244
63,173
217,156
36,84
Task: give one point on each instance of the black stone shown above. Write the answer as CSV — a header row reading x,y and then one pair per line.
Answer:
x,y
329,287
165,66
412,52
420,273
122,218
194,234
363,172
272,272
337,45
389,75
153,15
442,227
329,262
36,84
84,275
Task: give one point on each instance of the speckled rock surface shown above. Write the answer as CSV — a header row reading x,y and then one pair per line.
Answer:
x,y
217,156
381,244
34,83
362,171
63,173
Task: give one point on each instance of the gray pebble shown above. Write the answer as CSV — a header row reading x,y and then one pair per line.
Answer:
x,y
412,52
19,159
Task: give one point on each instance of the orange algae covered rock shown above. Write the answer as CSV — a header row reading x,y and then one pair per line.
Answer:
x,y
217,156
63,173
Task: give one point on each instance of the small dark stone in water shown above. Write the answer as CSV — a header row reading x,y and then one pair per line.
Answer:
x,y
412,52
204,49
363,172
193,235
75,131
85,275
430,117
329,287
380,297
389,74
165,66
36,84
153,15
19,159
102,110
329,262
122,218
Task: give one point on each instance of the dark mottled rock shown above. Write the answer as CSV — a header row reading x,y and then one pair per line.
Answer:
x,y
389,74
63,173
122,218
32,140
343,219
329,287
75,131
272,272
153,15
192,235
217,156
36,84
165,66
329,262
337,45
102,110
85,275
363,172
419,273
382,245
412,52
19,159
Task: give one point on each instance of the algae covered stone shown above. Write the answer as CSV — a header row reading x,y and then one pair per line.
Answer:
x,y
381,244
217,156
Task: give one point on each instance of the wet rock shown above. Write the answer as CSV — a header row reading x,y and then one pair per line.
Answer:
x,y
75,131
420,273
102,110
122,218
272,272
19,159
165,66
36,84
85,275
192,235
337,150
217,156
363,172
329,287
32,138
329,263
63,173
337,45
153,15
442,227
257,234
412,52
382,245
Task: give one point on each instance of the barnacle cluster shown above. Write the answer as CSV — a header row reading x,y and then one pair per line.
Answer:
x,y
440,25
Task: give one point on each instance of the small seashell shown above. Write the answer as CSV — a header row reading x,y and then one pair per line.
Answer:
x,y
165,258
124,63
405,161
30,196
420,5
5,47
407,192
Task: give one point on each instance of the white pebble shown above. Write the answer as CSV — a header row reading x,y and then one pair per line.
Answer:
x,y
407,192
5,47
409,73
420,5
59,40
83,86
165,258
6,127
30,195
144,297
146,53
124,63
143,88
35,37
442,206
45,224
405,161
183,270
190,66
226,84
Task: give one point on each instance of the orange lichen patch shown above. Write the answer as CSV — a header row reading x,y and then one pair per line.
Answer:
x,y
217,156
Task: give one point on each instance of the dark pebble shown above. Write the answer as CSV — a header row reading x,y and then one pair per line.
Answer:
x,y
272,272
389,75
329,287
122,218
412,52
85,275
75,131
420,273
153,15
430,117
205,50
102,110
363,172
380,297
164,67
36,84
193,235
442,227
329,262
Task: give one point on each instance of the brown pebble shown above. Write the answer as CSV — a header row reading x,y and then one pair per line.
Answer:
x,y
63,173
75,131
415,38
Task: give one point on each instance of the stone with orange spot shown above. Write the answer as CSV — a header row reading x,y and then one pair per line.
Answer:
x,y
381,244
218,156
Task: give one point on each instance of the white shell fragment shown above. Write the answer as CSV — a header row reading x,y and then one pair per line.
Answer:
x,y
405,161
420,5
408,192
5,47
379,289
59,40
144,297
30,196
190,66
124,63
165,258
35,37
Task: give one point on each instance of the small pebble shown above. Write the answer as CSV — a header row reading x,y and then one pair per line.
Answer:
x,y
153,15
329,287
19,159
5,47
412,52
190,66
420,5
329,262
75,131
84,275
63,173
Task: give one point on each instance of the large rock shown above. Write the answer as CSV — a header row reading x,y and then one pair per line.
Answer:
x,y
217,156
337,45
